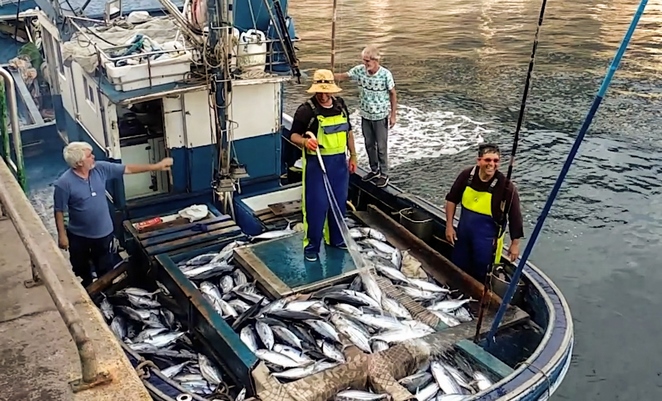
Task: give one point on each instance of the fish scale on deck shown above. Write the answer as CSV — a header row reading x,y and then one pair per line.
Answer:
x,y
302,335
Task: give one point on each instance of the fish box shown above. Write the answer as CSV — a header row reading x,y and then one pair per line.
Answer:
x,y
164,70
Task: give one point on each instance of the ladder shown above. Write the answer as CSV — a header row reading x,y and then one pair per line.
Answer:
x,y
9,152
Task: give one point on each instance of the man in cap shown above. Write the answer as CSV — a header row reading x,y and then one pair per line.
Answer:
x,y
321,124
378,105
485,196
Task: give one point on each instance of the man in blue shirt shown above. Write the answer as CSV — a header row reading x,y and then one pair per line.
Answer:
x,y
378,105
81,191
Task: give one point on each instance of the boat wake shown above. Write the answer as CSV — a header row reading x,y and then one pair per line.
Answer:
x,y
424,134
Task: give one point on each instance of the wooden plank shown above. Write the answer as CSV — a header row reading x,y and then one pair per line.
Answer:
x,y
187,226
484,358
200,238
467,330
187,233
262,212
324,283
106,280
434,263
273,285
285,208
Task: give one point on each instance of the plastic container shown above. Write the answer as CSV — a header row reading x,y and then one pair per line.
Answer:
x,y
418,222
252,50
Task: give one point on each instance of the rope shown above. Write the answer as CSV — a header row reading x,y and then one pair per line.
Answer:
x,y
142,370
504,213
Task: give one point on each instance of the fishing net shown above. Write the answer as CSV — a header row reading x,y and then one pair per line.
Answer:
x,y
380,371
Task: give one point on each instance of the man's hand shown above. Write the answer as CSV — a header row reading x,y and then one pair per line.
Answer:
x,y
391,120
514,250
164,165
352,164
451,236
63,242
310,143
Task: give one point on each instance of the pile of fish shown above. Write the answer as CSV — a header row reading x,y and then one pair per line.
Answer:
x,y
450,378
301,335
149,329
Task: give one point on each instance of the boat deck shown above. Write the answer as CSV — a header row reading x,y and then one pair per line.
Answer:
x,y
35,345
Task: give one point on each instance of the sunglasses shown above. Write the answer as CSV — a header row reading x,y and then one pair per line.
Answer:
x,y
490,160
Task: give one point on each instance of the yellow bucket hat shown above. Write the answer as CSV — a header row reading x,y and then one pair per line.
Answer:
x,y
323,82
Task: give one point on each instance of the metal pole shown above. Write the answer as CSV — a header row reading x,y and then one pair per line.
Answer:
x,y
333,36
564,171
12,108
32,232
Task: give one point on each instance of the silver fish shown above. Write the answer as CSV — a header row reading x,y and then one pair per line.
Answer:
x,y
135,291
239,277
209,371
396,336
228,250
358,395
301,372
207,271
332,352
324,329
276,358
373,233
239,305
164,339
380,322
482,381
416,381
418,294
248,337
427,286
395,308
396,258
427,392
201,259
459,379
265,333
379,345
285,335
451,397
274,234
210,289
242,395
106,309
148,334
118,326
380,246
174,369
449,305
293,354
143,347
226,283
450,321
444,379
142,302
391,273
371,287
168,318
462,314
348,309
356,336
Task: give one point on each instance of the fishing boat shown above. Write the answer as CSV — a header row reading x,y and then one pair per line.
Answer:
x,y
203,84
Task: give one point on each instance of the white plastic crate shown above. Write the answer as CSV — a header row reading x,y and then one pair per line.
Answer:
x,y
137,76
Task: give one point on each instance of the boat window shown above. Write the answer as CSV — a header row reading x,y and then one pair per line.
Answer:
x,y
89,91
139,122
58,54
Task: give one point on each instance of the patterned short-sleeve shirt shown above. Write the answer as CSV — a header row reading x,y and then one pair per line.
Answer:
x,y
374,91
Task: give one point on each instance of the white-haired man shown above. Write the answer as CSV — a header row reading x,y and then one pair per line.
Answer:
x,y
81,190
378,105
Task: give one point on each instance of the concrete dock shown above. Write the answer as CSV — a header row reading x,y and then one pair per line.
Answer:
x,y
37,353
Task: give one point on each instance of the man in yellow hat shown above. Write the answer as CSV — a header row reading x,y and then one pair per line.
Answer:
x,y
322,124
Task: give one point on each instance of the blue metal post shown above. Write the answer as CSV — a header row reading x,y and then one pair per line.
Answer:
x,y
564,171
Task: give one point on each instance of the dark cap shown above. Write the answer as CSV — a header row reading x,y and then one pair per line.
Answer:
x,y
488,148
